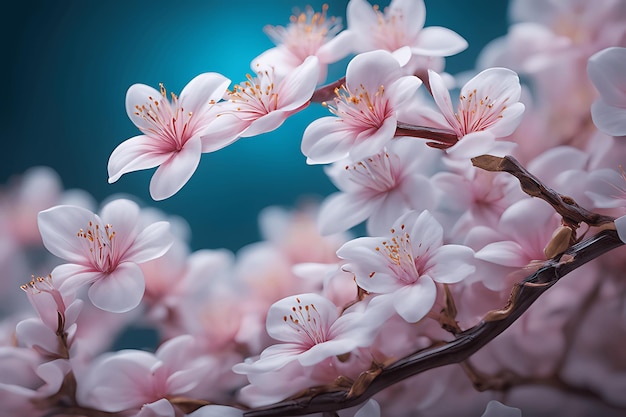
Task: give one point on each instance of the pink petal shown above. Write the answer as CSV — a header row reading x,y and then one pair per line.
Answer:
x,y
370,70
441,95
498,83
221,132
450,264
413,14
202,91
272,358
438,41
372,141
511,118
507,253
123,215
58,227
70,277
606,70
609,119
413,302
138,95
326,140
33,333
173,174
265,123
425,231
337,48
151,243
298,86
119,291
473,144
361,17
403,90
217,411
160,408
340,211
135,154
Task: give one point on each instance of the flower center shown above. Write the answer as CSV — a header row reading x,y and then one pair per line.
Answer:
x,y
167,122
376,173
38,285
254,97
476,113
307,322
306,32
360,109
99,243
400,256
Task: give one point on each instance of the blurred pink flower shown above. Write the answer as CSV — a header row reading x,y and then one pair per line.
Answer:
x,y
607,70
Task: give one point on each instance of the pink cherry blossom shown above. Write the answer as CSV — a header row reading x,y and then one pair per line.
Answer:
x,y
365,109
379,188
175,133
262,103
399,26
103,251
607,70
141,382
488,108
403,266
312,330
308,33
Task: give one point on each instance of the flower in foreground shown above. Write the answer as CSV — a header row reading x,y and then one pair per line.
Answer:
x,y
365,109
262,103
403,267
103,251
312,330
607,71
488,108
174,133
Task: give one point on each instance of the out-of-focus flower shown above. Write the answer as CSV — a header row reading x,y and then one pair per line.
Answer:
x,y
103,251
607,71
175,133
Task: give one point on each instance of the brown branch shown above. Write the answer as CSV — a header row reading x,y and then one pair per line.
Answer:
x,y
523,295
327,92
443,138
572,213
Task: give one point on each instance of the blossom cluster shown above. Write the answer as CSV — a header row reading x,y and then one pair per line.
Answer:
x,y
314,304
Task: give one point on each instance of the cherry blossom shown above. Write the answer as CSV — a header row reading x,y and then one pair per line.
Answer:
x,y
404,266
262,103
365,111
312,330
175,133
606,70
488,108
380,188
142,382
309,33
398,27
103,251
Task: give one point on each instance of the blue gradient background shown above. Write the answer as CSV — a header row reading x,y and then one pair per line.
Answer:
x,y
67,66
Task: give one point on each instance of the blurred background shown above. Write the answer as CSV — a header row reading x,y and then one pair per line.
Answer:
x,y
67,66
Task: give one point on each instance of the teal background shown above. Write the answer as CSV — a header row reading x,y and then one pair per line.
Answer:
x,y
67,65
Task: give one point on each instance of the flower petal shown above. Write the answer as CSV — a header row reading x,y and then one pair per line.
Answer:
x,y
609,119
58,227
119,291
606,71
297,88
620,225
507,253
450,264
340,211
151,243
370,70
139,95
203,91
135,154
326,140
441,95
413,302
173,174
438,41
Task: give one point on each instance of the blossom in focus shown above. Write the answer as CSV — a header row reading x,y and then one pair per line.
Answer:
x,y
308,33
312,330
103,251
399,28
488,108
262,103
365,111
379,188
607,71
403,267
174,133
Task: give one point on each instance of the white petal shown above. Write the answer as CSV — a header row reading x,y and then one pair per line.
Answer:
x,y
70,277
606,70
337,48
326,140
450,264
441,95
413,14
340,212
151,243
217,411
507,253
221,132
203,90
265,123
413,302
473,144
139,95
610,120
511,118
403,90
620,225
135,154
160,408
119,291
361,17
123,216
172,175
298,86
58,227
438,41
370,70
